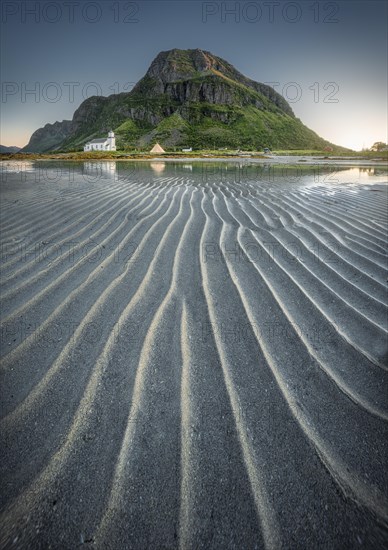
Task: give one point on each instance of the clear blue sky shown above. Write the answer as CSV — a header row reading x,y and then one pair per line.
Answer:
x,y
329,58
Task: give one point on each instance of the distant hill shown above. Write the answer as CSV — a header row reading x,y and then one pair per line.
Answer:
x,y
186,98
11,149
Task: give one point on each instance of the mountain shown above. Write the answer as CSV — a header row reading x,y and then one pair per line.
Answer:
x,y
49,137
186,98
10,149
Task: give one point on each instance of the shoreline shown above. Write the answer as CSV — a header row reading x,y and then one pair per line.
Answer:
x,y
278,159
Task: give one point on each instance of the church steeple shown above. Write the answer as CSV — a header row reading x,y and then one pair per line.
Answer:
x,y
111,141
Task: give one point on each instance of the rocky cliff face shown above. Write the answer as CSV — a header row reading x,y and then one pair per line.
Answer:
x,y
176,64
182,66
191,90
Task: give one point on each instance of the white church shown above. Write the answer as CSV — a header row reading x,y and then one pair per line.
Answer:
x,y
104,144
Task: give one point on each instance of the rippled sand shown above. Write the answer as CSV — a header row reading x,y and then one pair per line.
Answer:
x,y
193,360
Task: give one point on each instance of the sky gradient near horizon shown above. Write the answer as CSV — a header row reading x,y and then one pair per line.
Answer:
x,y
328,59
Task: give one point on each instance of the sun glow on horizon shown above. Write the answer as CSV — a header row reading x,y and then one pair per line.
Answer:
x,y
358,142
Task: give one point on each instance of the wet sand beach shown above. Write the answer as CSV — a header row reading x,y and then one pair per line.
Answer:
x,y
193,356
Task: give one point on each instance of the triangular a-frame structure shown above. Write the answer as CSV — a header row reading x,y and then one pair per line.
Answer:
x,y
157,149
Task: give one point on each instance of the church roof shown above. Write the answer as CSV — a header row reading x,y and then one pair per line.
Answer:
x,y
98,140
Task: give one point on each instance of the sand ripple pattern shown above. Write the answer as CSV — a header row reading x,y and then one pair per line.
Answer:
x,y
193,364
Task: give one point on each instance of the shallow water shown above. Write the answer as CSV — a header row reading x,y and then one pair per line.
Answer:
x,y
200,173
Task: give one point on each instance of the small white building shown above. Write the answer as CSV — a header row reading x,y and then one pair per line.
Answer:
x,y
104,144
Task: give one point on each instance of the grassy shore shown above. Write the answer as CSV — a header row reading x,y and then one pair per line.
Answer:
x,y
372,155
115,155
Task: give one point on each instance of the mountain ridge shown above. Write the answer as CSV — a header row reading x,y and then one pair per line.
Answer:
x,y
9,149
186,97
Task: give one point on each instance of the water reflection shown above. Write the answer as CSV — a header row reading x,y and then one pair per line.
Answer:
x,y
100,168
373,171
239,176
17,167
158,167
